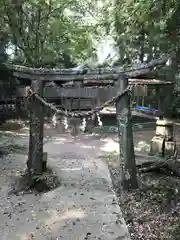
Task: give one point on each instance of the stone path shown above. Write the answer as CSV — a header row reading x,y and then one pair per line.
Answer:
x,y
84,207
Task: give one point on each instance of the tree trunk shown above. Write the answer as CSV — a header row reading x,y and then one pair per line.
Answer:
x,y
142,45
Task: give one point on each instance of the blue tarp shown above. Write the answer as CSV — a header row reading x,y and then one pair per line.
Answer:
x,y
147,109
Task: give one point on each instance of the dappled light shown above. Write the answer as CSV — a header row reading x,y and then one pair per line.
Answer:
x,y
56,209
89,120
110,146
84,186
86,146
142,147
72,169
57,216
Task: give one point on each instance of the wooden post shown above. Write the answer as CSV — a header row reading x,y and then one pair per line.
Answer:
x,y
124,122
75,122
35,159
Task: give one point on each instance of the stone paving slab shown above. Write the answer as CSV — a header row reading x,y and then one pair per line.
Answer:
x,y
87,191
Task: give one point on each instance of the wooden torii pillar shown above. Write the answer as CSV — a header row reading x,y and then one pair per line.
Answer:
x,y
36,131
125,134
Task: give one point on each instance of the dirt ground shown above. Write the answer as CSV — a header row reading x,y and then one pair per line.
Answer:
x,y
82,207
152,213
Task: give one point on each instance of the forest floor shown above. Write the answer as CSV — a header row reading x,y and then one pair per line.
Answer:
x,y
152,212
81,206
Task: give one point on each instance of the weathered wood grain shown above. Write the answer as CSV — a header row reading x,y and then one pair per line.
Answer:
x,y
65,78
124,123
35,162
55,92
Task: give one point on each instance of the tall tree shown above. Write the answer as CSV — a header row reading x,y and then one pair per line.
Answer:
x,y
146,29
47,32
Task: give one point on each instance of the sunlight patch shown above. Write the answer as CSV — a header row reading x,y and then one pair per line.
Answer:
x,y
60,216
110,146
142,147
86,146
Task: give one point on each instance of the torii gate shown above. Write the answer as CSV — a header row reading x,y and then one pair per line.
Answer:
x,y
123,112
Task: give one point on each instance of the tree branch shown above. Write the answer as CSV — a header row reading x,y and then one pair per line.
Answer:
x,y
36,48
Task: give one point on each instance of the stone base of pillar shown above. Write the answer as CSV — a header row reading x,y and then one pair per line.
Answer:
x,y
163,143
161,147
164,128
169,148
157,146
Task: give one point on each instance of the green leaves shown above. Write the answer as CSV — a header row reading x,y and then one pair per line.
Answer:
x,y
145,29
43,29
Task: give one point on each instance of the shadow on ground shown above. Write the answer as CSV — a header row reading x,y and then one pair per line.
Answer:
x,y
70,211
82,207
